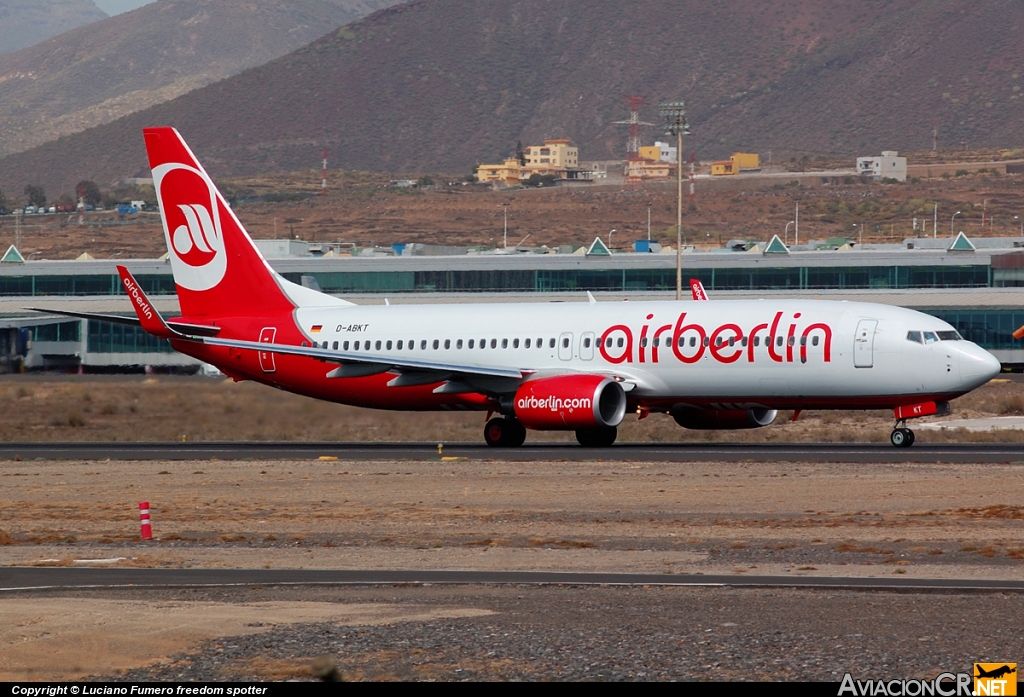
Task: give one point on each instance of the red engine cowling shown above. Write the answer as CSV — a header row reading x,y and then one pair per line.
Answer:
x,y
570,402
724,419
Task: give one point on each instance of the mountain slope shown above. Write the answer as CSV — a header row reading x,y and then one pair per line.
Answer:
x,y
100,72
25,22
442,84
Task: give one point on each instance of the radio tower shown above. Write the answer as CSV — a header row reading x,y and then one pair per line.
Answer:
x,y
635,101
323,180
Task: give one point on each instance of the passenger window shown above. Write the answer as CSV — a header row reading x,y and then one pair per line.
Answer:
x,y
378,345
345,346
565,342
778,340
540,343
551,343
366,345
388,345
304,344
803,341
743,342
494,343
930,338
621,342
586,342
483,343
504,343
643,342
706,341
447,343
792,341
814,341
399,347
423,344
436,344
693,341
471,344
527,344
334,347
732,341
608,342
515,343
757,341
458,344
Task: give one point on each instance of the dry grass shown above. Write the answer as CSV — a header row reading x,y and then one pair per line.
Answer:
x,y
176,408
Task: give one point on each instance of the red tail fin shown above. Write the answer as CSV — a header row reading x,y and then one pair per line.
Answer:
x,y
217,269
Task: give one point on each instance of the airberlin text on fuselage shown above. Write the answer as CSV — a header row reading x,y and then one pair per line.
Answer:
x,y
782,340
137,298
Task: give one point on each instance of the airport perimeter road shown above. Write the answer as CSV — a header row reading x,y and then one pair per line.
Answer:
x,y
635,452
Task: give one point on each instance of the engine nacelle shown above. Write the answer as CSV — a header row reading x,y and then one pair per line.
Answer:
x,y
724,419
570,402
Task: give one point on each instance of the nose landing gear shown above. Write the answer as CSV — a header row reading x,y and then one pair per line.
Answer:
x,y
901,436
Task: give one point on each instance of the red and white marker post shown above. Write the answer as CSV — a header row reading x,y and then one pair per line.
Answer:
x,y
147,529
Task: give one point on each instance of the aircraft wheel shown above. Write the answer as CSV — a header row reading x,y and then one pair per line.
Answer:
x,y
504,433
596,437
901,437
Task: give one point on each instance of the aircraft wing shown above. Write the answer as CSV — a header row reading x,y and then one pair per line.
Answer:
x,y
362,364
181,327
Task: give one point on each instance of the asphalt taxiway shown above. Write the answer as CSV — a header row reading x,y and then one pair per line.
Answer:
x,y
633,452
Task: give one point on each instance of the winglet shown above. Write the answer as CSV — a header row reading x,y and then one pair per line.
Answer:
x,y
151,320
697,289
590,297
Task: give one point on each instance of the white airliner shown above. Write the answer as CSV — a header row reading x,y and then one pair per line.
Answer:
x,y
547,366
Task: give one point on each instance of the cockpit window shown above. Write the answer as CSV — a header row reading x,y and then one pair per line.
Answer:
x,y
930,337
950,336
915,337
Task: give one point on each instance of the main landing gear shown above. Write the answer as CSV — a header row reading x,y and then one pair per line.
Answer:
x,y
504,432
901,436
597,437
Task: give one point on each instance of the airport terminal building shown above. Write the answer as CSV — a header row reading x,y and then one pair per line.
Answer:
x,y
978,288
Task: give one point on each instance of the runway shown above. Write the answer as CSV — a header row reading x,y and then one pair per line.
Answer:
x,y
633,452
13,579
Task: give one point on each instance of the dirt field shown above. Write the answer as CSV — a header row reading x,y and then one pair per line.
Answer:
x,y
363,210
753,517
773,518
172,408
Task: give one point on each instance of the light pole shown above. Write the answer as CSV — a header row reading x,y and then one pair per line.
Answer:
x,y
860,231
951,223
1017,217
610,239
785,235
674,114
648,222
505,236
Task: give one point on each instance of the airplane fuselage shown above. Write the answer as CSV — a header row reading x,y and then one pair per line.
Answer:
x,y
721,354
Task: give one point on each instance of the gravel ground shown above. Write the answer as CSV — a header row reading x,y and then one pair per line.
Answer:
x,y
612,633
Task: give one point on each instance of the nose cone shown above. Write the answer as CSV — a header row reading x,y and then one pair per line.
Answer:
x,y
977,366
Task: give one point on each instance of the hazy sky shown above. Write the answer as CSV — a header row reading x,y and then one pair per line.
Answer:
x,y
116,7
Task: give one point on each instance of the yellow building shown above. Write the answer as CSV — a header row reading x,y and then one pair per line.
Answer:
x,y
650,152
737,162
506,173
555,157
647,169
723,167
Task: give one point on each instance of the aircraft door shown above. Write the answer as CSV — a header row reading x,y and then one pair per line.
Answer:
x,y
864,344
587,346
267,335
565,346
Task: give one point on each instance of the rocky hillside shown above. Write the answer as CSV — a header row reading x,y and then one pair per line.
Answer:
x,y
438,85
100,72
25,22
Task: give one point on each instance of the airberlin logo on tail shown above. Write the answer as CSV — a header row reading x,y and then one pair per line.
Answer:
x,y
191,212
138,298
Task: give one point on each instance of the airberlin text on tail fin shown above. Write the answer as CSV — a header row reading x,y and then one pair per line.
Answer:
x,y
217,269
697,289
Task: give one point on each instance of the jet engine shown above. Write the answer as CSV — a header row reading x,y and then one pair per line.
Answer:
x,y
570,402
724,419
